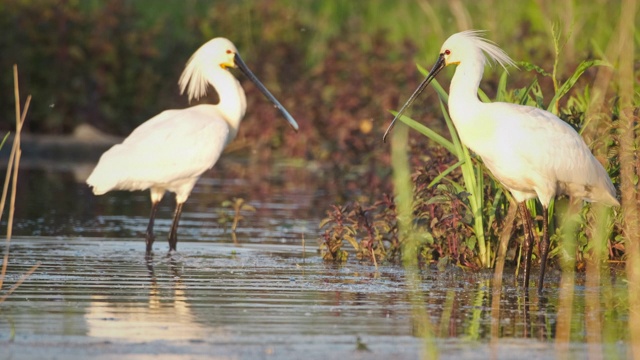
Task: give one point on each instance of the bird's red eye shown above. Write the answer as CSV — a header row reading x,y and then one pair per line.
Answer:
x,y
447,52
229,51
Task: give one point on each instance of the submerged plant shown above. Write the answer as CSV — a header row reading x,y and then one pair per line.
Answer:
x,y
472,189
461,205
238,205
341,229
368,229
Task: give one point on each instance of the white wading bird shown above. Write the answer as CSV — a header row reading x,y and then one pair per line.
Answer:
x,y
532,152
170,151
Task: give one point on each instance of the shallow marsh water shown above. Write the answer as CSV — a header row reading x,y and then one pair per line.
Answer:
x,y
264,295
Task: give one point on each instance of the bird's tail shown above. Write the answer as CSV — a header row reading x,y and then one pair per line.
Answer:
x,y
607,197
604,192
100,183
104,177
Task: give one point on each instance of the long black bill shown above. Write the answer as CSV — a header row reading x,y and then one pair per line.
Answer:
x,y
245,70
440,64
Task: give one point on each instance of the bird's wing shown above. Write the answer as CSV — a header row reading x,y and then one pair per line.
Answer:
x,y
549,149
174,145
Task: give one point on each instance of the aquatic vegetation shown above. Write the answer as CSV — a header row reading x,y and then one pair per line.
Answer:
x,y
238,205
370,230
451,206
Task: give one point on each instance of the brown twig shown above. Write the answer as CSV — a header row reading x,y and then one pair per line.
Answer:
x,y
20,281
12,174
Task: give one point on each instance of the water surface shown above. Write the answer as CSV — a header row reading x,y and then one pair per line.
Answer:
x,y
264,294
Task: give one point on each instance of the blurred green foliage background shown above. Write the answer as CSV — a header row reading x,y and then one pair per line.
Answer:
x,y
114,64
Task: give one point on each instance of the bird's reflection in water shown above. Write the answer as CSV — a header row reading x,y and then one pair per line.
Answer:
x,y
155,296
163,313
519,315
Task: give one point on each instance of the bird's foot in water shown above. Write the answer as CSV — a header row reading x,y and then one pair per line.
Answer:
x,y
149,239
173,243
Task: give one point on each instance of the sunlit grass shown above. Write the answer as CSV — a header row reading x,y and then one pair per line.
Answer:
x,y
427,23
471,172
411,243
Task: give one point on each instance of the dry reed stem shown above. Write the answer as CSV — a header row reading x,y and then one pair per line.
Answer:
x,y
628,170
496,286
12,157
505,236
621,51
12,174
19,282
632,238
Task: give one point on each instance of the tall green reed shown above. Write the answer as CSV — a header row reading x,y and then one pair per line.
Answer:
x,y
472,173
411,242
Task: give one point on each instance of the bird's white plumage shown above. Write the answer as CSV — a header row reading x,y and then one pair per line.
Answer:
x,y
528,169
531,151
170,151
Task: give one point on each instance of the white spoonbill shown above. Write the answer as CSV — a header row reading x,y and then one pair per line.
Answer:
x,y
532,152
170,151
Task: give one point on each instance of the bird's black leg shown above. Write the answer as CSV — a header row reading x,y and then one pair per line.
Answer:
x,y
528,241
173,235
149,238
544,246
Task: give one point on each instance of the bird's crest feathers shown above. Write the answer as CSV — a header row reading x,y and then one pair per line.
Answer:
x,y
193,78
197,75
488,47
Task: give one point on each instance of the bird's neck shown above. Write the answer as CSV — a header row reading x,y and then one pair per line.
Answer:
x,y
464,104
463,93
465,82
233,103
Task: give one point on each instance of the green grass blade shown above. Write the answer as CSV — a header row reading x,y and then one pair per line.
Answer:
x,y
524,99
501,92
445,173
426,132
472,175
564,89
459,188
483,97
4,139
473,187
531,67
